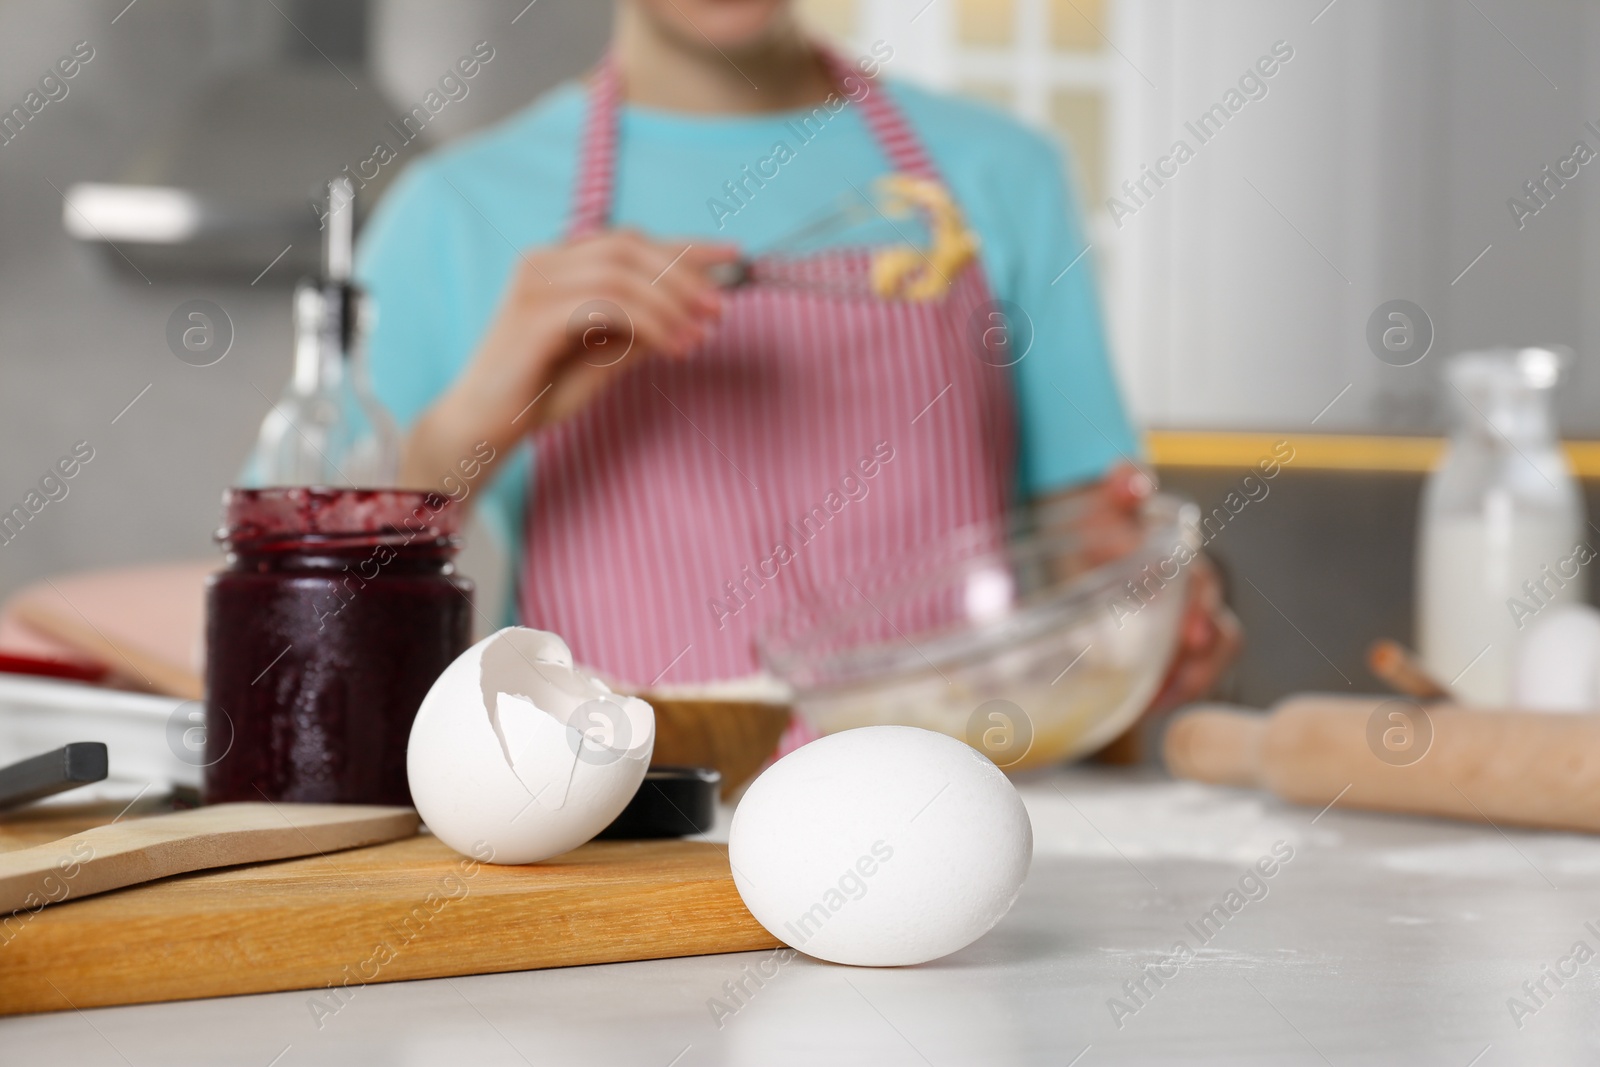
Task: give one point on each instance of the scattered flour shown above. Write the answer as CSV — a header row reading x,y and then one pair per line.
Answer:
x,y
1213,955
1494,858
1167,820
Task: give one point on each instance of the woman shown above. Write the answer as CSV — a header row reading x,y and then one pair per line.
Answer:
x,y
705,455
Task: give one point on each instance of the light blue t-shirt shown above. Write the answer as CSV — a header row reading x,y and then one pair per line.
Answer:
x,y
438,252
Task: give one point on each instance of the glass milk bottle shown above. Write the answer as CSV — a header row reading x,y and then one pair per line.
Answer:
x,y
1498,514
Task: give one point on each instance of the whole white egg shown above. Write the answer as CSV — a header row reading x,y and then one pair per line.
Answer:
x,y
1556,666
517,756
881,846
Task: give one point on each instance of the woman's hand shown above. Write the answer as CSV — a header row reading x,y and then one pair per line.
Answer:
x,y
1209,636
1209,640
573,317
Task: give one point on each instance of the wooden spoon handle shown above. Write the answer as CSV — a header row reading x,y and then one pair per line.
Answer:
x,y
1399,668
142,850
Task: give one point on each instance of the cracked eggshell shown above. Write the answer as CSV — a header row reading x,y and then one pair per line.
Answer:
x,y
515,748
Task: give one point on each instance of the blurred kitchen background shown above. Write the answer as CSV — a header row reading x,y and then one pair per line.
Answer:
x,y
1377,166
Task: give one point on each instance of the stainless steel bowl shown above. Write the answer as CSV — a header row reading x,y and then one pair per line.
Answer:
x,y
1034,644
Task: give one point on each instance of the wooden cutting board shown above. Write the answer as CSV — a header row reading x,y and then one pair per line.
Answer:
x,y
406,909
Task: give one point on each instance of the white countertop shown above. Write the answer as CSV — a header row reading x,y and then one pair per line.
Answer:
x,y
1383,940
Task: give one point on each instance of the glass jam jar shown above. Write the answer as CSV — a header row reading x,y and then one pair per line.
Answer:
x,y
336,612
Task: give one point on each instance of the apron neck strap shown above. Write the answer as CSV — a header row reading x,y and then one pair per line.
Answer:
x,y
597,153
885,121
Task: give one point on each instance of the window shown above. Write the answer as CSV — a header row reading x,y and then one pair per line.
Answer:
x,y
1044,60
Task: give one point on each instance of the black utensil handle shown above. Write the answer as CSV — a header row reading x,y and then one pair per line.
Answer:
x,y
66,768
730,275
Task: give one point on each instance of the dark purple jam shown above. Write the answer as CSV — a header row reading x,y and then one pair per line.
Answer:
x,y
337,611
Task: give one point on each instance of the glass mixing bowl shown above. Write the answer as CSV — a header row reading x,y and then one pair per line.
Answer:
x,y
1035,643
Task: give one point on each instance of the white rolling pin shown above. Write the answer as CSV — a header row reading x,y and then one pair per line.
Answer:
x,y
1519,768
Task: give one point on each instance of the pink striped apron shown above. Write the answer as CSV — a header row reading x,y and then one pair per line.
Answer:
x,y
818,433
